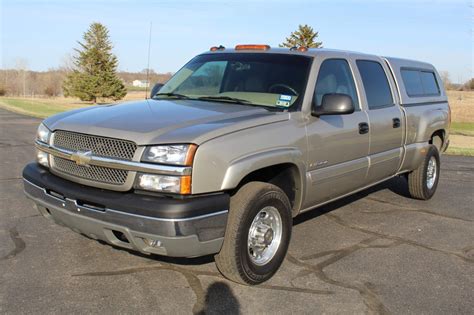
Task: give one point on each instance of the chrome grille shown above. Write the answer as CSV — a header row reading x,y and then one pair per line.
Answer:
x,y
99,146
91,172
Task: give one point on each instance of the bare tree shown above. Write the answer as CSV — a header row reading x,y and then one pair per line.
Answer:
x,y
67,63
22,68
446,80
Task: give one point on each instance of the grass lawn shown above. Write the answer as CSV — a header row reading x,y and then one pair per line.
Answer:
x,y
136,88
460,151
462,128
38,107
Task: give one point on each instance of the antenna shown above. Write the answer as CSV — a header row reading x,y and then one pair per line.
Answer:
x,y
148,64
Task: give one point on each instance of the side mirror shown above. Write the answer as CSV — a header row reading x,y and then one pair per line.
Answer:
x,y
156,88
334,104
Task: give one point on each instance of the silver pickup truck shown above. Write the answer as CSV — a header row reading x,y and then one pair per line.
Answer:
x,y
237,143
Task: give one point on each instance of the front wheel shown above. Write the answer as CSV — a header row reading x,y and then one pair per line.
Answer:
x,y
257,235
423,181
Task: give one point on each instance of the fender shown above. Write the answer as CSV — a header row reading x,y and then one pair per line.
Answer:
x,y
431,120
414,155
423,121
242,166
221,163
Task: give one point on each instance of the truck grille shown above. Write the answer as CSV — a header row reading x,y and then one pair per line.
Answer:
x,y
99,146
91,172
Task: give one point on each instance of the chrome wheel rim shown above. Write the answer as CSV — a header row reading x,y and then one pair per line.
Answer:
x,y
431,173
264,236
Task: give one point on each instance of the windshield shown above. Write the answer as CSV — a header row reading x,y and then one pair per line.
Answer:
x,y
274,80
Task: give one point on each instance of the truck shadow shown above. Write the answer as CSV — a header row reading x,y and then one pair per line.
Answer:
x,y
397,185
220,299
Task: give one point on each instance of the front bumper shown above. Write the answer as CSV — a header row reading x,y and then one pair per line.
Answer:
x,y
189,227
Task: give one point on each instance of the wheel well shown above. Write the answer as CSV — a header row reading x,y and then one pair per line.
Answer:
x,y
285,176
437,139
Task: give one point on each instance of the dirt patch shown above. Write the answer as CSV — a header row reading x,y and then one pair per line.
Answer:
x,y
462,105
459,141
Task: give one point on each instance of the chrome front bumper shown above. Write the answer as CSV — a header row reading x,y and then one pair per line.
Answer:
x,y
178,237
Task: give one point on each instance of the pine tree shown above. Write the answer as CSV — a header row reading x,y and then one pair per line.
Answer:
x,y
95,68
305,36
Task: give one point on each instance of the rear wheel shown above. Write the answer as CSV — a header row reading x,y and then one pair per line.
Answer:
x,y
257,235
423,181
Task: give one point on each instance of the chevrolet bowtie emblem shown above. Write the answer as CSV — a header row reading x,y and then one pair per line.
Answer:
x,y
81,158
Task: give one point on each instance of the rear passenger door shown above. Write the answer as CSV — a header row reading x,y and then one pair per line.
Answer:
x,y
385,120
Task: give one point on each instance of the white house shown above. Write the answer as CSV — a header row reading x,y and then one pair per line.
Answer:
x,y
141,83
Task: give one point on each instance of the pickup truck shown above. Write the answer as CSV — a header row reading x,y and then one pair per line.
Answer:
x,y
238,142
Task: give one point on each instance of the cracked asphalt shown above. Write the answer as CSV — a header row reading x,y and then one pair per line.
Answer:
x,y
375,252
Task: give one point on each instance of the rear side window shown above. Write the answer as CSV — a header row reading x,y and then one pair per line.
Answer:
x,y
428,80
335,76
419,83
376,86
412,81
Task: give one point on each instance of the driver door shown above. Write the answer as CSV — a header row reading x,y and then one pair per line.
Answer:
x,y
337,145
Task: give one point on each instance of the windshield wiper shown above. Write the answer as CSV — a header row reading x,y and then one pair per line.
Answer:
x,y
180,96
225,98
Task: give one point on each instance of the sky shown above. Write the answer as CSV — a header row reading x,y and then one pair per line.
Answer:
x,y
43,33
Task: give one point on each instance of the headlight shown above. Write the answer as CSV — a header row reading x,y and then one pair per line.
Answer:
x,y
43,133
179,154
164,183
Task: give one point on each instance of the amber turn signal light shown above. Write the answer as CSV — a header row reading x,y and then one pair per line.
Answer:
x,y
190,155
185,188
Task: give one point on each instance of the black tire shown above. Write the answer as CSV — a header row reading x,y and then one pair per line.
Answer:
x,y
417,179
234,261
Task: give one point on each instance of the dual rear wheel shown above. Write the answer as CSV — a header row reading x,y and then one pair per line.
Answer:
x,y
423,181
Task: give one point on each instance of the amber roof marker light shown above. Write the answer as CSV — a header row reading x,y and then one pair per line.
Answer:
x,y
216,48
300,48
252,47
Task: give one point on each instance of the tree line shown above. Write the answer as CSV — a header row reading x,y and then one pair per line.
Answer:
x,y
26,83
22,82
449,85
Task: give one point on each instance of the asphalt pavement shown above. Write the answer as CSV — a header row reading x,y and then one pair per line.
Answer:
x,y
374,252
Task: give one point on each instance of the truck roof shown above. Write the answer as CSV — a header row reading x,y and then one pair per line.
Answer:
x,y
282,50
324,51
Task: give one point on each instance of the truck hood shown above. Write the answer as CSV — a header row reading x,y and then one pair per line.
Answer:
x,y
164,121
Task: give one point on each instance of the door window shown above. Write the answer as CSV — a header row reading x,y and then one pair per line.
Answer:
x,y
335,76
377,89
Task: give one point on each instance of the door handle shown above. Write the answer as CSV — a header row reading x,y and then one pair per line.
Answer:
x,y
396,122
363,128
